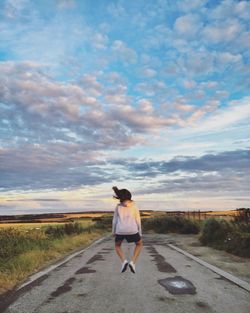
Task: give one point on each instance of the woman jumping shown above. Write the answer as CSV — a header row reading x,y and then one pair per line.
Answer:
x,y
126,225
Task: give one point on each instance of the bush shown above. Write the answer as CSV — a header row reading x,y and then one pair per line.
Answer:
x,y
168,224
66,229
104,223
231,237
239,244
15,241
215,231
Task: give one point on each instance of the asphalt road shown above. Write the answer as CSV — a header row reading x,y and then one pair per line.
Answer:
x,y
91,282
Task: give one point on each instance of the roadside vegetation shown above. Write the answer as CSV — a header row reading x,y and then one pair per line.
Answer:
x,y
171,224
27,247
232,236
24,250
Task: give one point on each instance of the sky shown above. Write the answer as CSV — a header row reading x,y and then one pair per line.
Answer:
x,y
148,95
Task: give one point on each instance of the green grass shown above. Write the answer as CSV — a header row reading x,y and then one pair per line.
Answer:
x,y
24,251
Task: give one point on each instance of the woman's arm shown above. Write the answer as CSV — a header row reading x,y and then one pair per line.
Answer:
x,y
115,219
138,221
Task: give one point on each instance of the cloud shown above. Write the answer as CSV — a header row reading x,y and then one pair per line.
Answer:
x,y
141,79
100,41
146,106
221,173
199,63
46,109
66,4
223,31
148,73
54,166
116,10
189,84
81,115
123,52
187,25
236,113
227,9
186,5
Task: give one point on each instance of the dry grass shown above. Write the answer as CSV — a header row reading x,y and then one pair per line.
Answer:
x,y
27,226
21,266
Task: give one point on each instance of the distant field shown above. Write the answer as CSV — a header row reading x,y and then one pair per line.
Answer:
x,y
42,224
38,220
226,213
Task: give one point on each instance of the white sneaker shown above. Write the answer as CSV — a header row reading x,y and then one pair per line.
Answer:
x,y
124,266
132,266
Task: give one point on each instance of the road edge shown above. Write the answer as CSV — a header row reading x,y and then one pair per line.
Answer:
x,y
241,283
9,297
50,268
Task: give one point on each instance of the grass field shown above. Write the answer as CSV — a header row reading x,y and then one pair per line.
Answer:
x,y
27,247
30,243
35,225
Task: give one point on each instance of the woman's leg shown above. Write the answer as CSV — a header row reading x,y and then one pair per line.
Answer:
x,y
118,249
138,247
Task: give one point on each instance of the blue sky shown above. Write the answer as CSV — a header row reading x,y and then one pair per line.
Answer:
x,y
152,96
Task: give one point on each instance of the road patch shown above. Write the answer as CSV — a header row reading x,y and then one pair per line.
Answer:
x,y
178,285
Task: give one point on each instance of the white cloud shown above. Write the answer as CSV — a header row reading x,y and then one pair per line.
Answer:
x,y
116,10
184,107
100,41
238,111
146,106
186,5
198,63
123,52
222,31
187,25
227,57
148,72
189,84
66,4
231,8
209,84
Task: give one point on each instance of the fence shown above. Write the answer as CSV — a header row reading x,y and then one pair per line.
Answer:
x,y
199,215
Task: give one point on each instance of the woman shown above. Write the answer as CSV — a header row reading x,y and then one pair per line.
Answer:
x,y
126,225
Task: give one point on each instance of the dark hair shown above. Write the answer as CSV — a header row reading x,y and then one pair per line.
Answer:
x,y
122,194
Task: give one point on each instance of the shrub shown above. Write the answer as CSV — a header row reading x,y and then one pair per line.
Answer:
x,y
104,223
215,231
239,244
231,237
15,241
169,224
66,229
243,216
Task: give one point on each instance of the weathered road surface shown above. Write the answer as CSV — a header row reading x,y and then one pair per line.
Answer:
x,y
92,282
